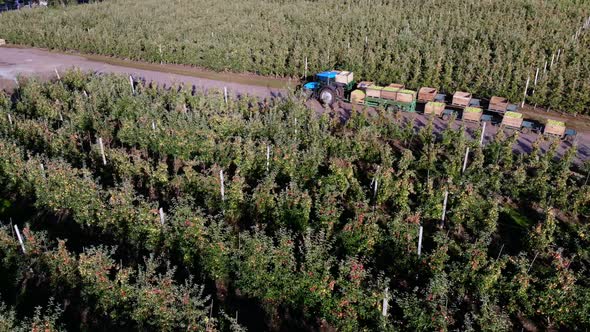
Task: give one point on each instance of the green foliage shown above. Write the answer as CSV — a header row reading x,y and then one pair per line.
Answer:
x,y
491,53
311,235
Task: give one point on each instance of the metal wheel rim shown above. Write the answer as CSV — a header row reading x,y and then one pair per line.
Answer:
x,y
326,97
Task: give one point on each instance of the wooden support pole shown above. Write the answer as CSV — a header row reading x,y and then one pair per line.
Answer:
x,y
545,68
444,212
375,187
57,74
305,72
500,253
420,232
483,132
558,54
162,216
267,158
530,266
225,94
525,91
536,76
10,119
153,125
385,302
222,188
20,239
104,158
465,160
552,59
131,83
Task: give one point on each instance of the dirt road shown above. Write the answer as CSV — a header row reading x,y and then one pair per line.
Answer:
x,y
28,61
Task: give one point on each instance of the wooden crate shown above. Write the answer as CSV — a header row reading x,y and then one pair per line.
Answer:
x,y
498,104
344,77
406,96
389,93
512,119
472,114
427,94
396,86
461,98
435,108
554,128
357,97
374,91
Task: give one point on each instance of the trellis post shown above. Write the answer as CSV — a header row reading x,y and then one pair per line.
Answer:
x,y
525,90
9,119
57,74
20,239
225,94
385,302
536,76
444,212
131,83
483,132
222,188
420,231
162,216
465,160
104,158
545,68
530,266
267,157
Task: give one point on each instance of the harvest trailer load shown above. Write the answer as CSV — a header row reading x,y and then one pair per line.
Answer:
x,y
392,97
332,86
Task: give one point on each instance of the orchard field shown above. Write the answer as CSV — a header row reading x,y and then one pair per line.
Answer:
x,y
152,209
485,47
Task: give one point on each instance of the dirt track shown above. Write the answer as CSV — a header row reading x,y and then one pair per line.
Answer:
x,y
27,61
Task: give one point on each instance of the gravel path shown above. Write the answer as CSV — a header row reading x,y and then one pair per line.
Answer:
x,y
30,61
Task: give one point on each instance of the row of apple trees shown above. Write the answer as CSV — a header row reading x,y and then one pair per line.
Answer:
x,y
172,209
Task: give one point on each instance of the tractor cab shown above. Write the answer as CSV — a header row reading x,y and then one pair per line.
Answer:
x,y
330,86
321,79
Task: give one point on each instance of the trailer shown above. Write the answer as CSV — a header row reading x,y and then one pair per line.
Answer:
x,y
392,97
390,105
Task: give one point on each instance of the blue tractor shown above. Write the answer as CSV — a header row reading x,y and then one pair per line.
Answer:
x,y
330,86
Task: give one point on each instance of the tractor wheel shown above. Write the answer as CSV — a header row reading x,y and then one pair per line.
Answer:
x,y
446,117
570,138
327,96
525,130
